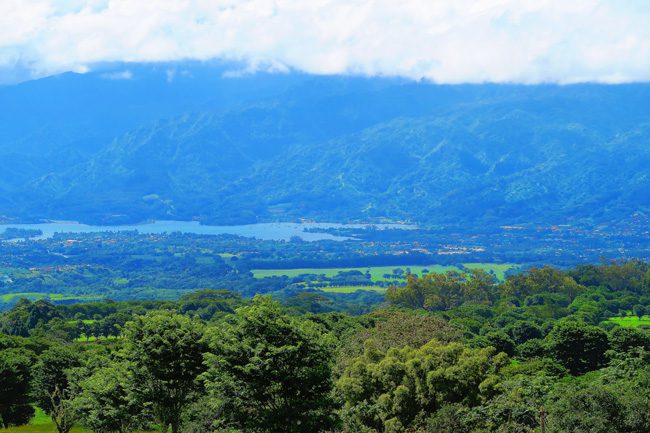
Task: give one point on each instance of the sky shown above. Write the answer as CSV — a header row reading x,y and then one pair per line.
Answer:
x,y
445,41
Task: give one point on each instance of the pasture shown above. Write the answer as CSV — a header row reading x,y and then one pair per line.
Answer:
x,y
41,423
630,321
351,289
378,273
11,297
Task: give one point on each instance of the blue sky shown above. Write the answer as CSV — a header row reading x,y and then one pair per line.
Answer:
x,y
450,41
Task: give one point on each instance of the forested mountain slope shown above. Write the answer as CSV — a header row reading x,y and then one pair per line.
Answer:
x,y
335,148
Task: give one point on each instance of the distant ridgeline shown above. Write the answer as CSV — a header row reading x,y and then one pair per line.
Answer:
x,y
203,144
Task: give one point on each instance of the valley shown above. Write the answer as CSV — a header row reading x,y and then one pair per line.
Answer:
x,y
345,263
254,216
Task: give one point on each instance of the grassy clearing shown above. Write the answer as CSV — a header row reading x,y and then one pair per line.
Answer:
x,y
11,297
43,428
351,289
377,272
630,321
264,273
41,423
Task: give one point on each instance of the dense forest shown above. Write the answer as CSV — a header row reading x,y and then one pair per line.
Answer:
x,y
565,351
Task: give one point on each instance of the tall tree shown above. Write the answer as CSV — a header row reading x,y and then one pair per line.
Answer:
x,y
639,311
26,315
627,339
395,390
272,372
166,352
15,407
52,390
579,347
107,401
596,409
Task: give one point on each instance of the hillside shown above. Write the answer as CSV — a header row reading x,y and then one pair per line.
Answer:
x,y
337,149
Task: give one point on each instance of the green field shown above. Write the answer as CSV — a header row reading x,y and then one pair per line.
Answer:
x,y
630,321
351,289
377,272
10,297
41,423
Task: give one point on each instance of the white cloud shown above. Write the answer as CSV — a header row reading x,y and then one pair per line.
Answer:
x,y
442,40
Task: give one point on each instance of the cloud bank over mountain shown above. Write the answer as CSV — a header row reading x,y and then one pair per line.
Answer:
x,y
525,41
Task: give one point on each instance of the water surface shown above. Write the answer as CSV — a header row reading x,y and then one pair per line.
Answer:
x,y
264,231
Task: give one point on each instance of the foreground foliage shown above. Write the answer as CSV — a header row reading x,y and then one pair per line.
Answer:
x,y
272,372
457,353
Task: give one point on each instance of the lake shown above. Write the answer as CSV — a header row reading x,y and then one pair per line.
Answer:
x,y
264,231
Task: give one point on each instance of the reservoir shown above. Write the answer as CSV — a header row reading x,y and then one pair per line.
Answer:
x,y
264,231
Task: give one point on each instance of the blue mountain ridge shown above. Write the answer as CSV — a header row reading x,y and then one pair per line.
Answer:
x,y
204,141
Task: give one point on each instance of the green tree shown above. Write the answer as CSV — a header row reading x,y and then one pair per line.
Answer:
x,y
399,388
579,347
499,340
51,385
523,331
272,372
432,291
26,315
594,409
516,408
166,353
107,401
450,418
15,407
480,287
639,311
541,280
627,339
533,348
396,328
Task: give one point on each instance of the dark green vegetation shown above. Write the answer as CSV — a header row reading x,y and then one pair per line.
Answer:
x,y
289,146
453,352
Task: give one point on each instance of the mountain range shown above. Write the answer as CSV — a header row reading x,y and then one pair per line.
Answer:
x,y
204,141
